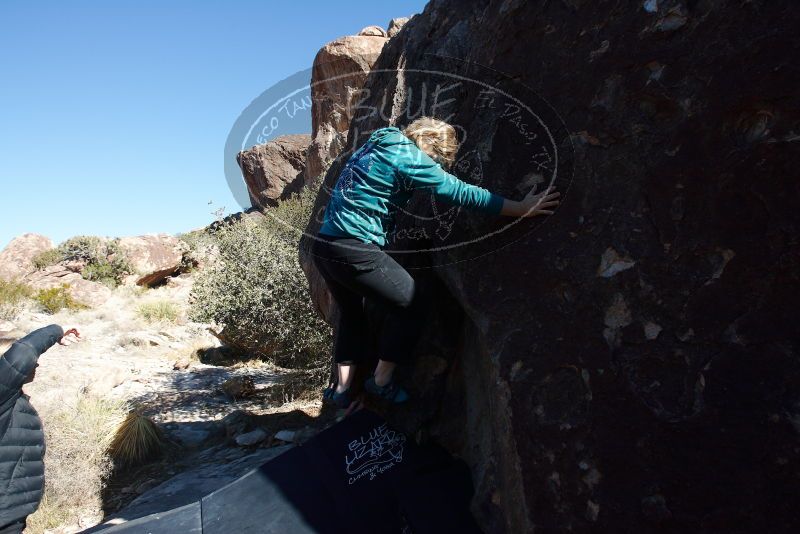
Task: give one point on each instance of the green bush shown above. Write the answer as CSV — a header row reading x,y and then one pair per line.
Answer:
x,y
104,260
198,243
101,272
162,310
84,248
257,291
12,295
56,299
47,258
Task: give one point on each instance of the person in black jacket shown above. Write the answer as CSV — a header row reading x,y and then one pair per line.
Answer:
x,y
21,435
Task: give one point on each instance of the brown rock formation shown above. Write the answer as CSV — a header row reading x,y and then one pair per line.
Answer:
x,y
631,363
84,291
16,259
395,25
373,31
275,169
154,257
339,72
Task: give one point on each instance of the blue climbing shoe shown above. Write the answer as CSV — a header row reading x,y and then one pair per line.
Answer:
x,y
390,392
340,400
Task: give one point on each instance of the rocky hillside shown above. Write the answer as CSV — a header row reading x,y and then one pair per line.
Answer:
x,y
629,364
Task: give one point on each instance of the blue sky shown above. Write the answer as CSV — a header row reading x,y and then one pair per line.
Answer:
x,y
114,115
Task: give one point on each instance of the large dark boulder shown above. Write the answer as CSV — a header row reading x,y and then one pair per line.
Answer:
x,y
631,363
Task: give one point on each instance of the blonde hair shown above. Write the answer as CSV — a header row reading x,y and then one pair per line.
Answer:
x,y
434,137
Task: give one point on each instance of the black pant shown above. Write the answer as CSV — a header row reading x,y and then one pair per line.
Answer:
x,y
361,273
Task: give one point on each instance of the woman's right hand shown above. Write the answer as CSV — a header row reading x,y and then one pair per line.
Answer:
x,y
540,203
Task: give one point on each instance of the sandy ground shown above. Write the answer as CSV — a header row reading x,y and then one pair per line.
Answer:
x,y
123,357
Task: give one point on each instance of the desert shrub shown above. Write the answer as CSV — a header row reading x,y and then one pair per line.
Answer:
x,y
104,261
102,272
256,290
56,299
78,433
137,440
83,248
46,258
13,295
162,310
199,248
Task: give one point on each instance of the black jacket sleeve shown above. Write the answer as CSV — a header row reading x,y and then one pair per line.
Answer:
x,y
18,361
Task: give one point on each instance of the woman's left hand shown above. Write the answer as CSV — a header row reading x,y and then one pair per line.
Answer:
x,y
540,203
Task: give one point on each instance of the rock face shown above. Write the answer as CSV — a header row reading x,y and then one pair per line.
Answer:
x,y
274,170
154,257
84,291
339,72
16,260
629,364
395,25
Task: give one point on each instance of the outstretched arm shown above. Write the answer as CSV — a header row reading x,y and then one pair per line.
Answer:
x,y
423,172
20,360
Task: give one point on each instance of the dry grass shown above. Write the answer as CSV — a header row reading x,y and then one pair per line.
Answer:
x,y
137,440
13,295
158,311
78,435
55,299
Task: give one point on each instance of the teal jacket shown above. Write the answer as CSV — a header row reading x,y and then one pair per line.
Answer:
x,y
380,177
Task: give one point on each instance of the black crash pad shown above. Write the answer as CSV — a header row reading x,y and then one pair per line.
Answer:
x,y
357,476
186,520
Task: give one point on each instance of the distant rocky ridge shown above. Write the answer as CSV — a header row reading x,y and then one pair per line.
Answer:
x,y
154,257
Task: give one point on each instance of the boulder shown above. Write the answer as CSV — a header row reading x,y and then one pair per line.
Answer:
x,y
339,72
395,25
273,171
372,31
154,256
16,260
629,364
86,292
338,75
251,438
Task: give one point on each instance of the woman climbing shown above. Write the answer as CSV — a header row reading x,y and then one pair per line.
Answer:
x,y
378,179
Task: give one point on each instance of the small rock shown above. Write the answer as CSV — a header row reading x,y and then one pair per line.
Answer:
x,y
181,364
239,387
237,422
285,435
251,438
373,31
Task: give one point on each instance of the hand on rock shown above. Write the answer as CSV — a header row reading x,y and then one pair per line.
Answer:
x,y
541,203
